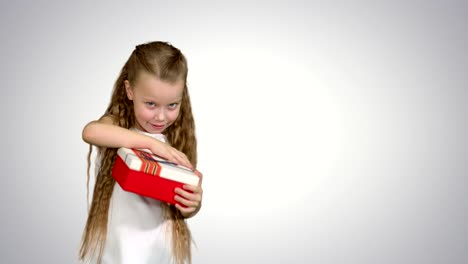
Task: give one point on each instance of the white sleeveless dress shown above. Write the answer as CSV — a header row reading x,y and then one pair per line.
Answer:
x,y
137,230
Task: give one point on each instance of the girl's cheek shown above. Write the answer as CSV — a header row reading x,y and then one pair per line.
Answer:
x,y
174,117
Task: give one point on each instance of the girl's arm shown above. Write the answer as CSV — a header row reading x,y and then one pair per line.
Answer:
x,y
105,133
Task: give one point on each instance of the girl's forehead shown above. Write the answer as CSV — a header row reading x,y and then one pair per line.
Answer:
x,y
150,86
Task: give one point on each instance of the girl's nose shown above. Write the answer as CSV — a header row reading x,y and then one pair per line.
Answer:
x,y
160,115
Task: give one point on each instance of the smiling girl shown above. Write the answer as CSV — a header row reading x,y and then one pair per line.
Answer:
x,y
149,109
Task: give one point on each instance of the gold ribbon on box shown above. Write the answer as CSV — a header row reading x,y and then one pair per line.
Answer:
x,y
149,164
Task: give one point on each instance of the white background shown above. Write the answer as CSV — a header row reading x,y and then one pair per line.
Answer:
x,y
329,132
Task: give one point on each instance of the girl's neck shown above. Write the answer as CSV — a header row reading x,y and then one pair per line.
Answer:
x,y
144,132
158,136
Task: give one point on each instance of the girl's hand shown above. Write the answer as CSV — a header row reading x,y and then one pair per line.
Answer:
x,y
171,154
191,197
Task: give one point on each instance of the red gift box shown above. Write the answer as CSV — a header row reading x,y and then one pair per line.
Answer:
x,y
146,174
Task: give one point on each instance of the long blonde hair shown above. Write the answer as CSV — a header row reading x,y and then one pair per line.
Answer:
x,y
168,64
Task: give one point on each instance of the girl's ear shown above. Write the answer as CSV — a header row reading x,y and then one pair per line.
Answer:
x,y
128,90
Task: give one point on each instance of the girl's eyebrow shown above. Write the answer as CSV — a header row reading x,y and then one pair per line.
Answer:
x,y
148,98
177,100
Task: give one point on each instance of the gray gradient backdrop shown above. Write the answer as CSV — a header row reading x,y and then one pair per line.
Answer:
x,y
329,132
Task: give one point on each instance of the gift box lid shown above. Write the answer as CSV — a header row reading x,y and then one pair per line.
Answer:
x,y
144,161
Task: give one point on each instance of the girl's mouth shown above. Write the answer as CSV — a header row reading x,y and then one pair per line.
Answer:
x,y
157,126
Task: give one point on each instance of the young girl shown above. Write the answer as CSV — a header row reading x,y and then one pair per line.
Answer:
x,y
149,109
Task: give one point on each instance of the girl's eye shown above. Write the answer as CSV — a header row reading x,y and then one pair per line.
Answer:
x,y
150,104
173,105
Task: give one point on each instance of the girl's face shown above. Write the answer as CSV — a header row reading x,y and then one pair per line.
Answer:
x,y
156,103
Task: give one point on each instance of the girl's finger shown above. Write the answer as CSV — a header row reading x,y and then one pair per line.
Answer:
x,y
195,195
186,210
188,203
182,159
192,188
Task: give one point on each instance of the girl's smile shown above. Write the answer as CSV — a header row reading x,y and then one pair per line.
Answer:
x,y
158,127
